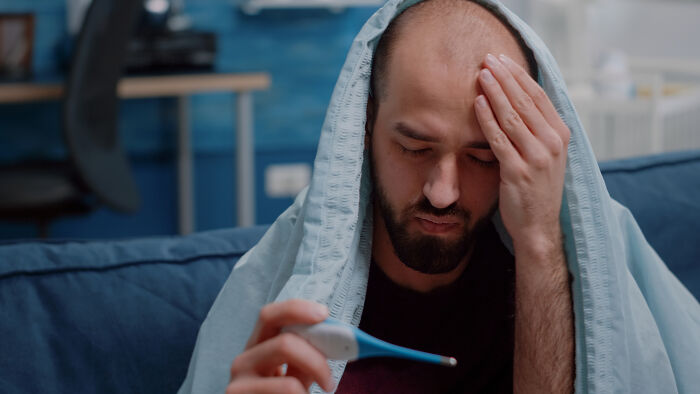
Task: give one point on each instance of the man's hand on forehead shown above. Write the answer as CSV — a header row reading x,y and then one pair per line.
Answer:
x,y
530,141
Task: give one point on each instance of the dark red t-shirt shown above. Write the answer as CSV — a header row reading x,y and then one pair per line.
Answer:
x,y
471,320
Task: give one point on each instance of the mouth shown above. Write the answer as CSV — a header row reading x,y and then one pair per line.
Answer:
x,y
438,225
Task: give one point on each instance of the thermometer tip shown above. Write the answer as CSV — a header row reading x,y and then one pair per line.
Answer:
x,y
448,361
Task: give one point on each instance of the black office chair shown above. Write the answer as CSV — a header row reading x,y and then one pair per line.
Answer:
x,y
97,170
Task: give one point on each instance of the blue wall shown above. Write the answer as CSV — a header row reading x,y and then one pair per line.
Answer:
x,y
302,50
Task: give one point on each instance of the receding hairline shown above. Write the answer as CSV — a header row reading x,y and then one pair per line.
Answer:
x,y
457,18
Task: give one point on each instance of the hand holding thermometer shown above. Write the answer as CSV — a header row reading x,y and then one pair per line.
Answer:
x,y
338,341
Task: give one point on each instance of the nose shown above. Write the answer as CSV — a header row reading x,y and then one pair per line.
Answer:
x,y
442,186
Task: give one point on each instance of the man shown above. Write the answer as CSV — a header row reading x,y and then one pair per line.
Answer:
x,y
446,141
453,134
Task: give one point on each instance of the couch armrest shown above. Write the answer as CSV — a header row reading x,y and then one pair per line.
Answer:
x,y
114,316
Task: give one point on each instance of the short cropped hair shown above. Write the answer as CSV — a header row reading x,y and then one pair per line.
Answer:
x,y
388,39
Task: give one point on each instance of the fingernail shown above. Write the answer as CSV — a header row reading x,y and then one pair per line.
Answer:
x,y
321,311
491,60
504,58
481,101
330,387
487,76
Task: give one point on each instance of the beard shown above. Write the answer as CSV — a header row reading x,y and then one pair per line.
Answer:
x,y
427,254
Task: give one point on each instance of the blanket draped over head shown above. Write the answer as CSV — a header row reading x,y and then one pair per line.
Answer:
x,y
637,328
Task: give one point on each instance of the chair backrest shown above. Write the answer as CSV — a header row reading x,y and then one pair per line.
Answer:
x,y
91,103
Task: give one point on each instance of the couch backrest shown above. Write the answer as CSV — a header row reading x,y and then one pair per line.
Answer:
x,y
663,194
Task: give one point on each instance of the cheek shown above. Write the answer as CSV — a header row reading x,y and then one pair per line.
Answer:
x,y
479,190
402,183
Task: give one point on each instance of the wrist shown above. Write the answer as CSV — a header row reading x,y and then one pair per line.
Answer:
x,y
540,250
538,241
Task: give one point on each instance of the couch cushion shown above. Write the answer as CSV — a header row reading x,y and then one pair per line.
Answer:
x,y
663,194
109,317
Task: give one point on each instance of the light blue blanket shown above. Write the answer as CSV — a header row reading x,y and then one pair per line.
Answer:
x,y
637,327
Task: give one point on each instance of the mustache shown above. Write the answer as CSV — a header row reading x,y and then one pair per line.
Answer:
x,y
425,206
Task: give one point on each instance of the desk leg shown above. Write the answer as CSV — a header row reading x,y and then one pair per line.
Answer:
x,y
245,162
185,190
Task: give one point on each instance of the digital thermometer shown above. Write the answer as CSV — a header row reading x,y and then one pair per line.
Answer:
x,y
339,341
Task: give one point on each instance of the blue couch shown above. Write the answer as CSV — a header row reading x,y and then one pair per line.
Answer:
x,y
122,316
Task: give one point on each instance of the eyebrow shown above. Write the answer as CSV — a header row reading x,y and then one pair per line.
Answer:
x,y
408,132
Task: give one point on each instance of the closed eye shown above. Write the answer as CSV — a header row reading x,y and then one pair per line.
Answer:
x,y
414,152
483,163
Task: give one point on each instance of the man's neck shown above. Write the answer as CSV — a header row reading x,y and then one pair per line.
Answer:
x,y
399,273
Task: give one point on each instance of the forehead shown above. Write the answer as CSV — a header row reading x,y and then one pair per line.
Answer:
x,y
431,74
450,32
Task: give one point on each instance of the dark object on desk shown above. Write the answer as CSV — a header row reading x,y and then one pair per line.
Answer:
x,y
166,51
97,166
164,42
16,45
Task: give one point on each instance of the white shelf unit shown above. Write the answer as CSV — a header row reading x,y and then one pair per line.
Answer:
x,y
665,117
253,7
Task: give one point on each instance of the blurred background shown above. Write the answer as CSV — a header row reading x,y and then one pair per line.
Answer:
x,y
632,67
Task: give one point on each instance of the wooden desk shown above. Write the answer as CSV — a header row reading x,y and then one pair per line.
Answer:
x,y
182,87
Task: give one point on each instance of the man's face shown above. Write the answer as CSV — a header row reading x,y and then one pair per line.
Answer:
x,y
426,251
436,181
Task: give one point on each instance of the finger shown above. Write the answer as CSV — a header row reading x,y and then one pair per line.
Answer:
x,y
508,119
274,316
499,142
305,380
266,386
538,95
286,348
521,102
